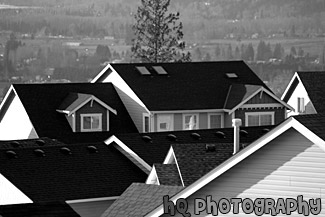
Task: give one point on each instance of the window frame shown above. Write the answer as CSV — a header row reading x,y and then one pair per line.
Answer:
x,y
259,115
222,119
144,116
172,122
100,128
197,120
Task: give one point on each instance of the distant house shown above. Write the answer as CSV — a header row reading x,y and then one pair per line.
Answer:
x,y
305,93
284,163
188,96
71,113
87,177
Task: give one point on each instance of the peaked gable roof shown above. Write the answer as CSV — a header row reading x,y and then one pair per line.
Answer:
x,y
168,174
42,100
139,199
68,172
207,82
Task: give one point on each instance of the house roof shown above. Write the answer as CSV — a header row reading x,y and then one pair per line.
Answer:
x,y
238,93
47,209
68,172
139,199
314,85
170,91
168,174
155,149
314,122
42,100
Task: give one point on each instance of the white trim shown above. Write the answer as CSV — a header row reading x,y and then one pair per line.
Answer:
x,y
258,114
92,200
11,88
265,105
228,164
144,115
222,119
128,150
224,105
190,111
289,85
73,116
152,176
171,128
197,120
179,171
256,92
100,127
97,100
169,157
107,121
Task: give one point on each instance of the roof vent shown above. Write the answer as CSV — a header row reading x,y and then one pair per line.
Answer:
x,y
40,142
39,152
160,70
243,133
172,137
15,144
196,136
265,130
65,150
231,75
210,147
143,70
92,149
220,135
11,154
146,138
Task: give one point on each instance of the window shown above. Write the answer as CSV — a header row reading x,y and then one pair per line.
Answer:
x,y
215,120
91,122
259,118
165,123
146,123
190,121
301,105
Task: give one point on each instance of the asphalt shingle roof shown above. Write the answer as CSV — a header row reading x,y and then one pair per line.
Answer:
x,y
168,174
206,82
60,176
314,84
314,122
42,100
155,150
139,199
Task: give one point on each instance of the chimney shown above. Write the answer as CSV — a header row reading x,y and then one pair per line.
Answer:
x,y
236,123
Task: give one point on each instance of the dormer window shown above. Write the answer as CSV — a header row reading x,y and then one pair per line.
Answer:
x,y
91,122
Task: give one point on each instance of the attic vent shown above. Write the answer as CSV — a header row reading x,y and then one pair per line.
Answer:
x,y
143,70
15,144
160,70
92,149
39,152
196,136
172,137
231,75
265,130
243,133
220,135
40,142
11,154
65,151
210,147
147,138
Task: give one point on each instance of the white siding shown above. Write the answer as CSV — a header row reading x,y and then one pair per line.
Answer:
x,y
287,167
300,91
10,194
16,124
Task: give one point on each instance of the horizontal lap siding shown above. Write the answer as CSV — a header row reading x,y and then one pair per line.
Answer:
x,y
257,99
287,167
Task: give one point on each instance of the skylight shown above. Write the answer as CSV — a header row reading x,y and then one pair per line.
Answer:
x,y
232,75
160,70
143,70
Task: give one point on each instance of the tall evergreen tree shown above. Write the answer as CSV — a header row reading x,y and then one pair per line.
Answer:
x,y
158,34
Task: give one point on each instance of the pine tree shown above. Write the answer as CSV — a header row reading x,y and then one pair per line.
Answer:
x,y
158,34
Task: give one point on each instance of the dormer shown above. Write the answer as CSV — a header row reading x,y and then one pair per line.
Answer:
x,y
86,113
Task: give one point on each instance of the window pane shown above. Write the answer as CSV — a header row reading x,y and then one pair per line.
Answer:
x,y
146,124
95,123
266,119
190,122
253,120
215,121
87,122
163,126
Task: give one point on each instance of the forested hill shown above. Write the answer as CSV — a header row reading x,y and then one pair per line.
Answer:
x,y
203,19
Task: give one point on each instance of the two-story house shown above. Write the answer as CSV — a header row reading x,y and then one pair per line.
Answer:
x,y
198,95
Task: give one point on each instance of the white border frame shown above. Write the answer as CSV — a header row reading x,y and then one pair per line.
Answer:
x,y
100,115
258,114
172,122
222,124
197,119
144,115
